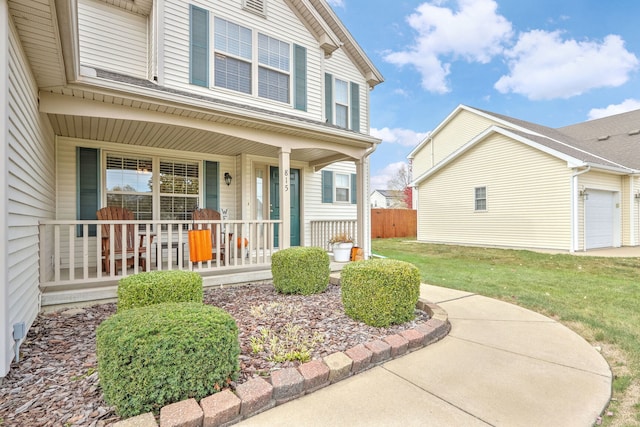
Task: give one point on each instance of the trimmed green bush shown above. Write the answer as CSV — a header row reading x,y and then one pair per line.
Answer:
x,y
152,356
156,287
300,270
380,292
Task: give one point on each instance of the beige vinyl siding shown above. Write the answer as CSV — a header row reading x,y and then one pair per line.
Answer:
x,y
461,129
66,179
112,39
315,210
30,195
341,67
528,198
281,23
635,217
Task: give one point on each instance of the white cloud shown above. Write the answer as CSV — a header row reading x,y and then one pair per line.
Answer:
x,y
336,3
544,66
404,137
380,178
475,32
610,110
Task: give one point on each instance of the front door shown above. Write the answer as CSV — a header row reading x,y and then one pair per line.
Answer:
x,y
295,203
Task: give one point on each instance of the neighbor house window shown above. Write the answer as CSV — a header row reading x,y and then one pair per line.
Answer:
x,y
273,72
233,54
481,198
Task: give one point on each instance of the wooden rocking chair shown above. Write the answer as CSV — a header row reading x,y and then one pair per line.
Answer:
x,y
120,214
210,215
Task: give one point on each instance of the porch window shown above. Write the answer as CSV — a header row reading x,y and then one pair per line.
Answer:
x,y
129,183
342,188
273,72
233,54
480,199
179,189
338,187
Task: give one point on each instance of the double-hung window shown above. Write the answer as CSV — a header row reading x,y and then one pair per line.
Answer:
x,y
233,56
179,189
274,60
342,187
342,103
481,199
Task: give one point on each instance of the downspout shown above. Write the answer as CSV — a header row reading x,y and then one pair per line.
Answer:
x,y
574,209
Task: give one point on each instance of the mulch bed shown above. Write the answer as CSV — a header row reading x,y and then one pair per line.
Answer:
x,y
56,383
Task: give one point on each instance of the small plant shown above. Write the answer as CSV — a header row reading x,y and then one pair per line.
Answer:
x,y
274,309
380,292
290,344
156,287
340,238
301,270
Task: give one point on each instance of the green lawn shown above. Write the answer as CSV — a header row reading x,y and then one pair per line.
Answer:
x,y
597,297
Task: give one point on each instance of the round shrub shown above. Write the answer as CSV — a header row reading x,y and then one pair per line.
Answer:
x,y
156,287
300,270
380,292
152,356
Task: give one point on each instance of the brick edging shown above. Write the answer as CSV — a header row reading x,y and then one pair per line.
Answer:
x,y
257,395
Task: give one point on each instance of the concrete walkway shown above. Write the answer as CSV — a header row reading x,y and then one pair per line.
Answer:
x,y
501,365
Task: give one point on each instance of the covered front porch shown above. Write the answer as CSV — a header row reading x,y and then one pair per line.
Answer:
x,y
72,260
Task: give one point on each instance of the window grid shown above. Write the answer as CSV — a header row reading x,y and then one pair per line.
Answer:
x,y
481,198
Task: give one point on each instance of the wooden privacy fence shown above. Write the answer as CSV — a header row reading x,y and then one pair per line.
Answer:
x,y
386,223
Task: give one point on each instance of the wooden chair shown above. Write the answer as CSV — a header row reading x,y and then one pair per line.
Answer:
x,y
134,244
210,215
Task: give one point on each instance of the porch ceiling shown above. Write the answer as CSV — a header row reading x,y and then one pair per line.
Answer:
x,y
157,135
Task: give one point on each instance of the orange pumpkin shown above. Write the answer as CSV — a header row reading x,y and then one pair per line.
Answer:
x,y
240,241
200,247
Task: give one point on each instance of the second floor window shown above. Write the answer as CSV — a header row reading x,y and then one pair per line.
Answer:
x,y
233,53
273,71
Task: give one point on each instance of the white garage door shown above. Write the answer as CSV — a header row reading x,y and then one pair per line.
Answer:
x,y
599,217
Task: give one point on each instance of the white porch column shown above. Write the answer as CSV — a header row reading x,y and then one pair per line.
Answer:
x,y
285,197
363,210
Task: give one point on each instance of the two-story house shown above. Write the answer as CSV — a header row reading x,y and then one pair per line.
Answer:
x,y
258,109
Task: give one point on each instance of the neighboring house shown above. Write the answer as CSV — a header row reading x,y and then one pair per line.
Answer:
x,y
256,108
487,179
384,199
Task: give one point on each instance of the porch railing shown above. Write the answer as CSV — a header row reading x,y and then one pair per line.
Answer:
x,y
71,251
323,231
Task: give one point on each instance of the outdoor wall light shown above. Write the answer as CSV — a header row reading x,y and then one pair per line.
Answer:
x,y
227,178
583,193
637,195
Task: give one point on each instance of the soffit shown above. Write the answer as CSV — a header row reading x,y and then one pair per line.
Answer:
x,y
37,28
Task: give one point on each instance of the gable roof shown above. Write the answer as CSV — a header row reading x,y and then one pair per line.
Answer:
x,y
611,143
390,194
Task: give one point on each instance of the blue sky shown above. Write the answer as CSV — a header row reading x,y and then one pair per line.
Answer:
x,y
552,62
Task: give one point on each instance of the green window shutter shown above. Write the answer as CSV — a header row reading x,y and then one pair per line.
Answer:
x,y
300,78
87,186
354,187
199,46
328,97
327,187
211,186
355,107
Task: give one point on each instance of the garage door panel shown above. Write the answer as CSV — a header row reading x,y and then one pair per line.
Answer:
x,y
599,219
